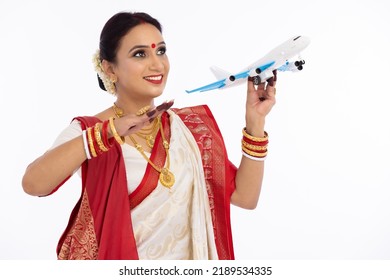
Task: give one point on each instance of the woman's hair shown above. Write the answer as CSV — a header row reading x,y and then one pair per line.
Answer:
x,y
116,28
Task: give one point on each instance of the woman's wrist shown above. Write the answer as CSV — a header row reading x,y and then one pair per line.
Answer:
x,y
255,128
254,147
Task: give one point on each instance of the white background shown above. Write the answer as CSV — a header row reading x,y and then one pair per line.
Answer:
x,y
326,188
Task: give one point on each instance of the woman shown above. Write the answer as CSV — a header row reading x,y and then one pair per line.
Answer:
x,y
156,182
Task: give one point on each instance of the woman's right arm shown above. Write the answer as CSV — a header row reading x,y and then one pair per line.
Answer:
x,y
53,167
44,174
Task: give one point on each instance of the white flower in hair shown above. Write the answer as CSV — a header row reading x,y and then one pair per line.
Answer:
x,y
108,84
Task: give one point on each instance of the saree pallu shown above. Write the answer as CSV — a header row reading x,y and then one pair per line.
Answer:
x,y
96,231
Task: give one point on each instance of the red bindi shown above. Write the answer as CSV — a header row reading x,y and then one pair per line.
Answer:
x,y
153,45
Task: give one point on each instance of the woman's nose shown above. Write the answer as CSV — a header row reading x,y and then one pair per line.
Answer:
x,y
156,63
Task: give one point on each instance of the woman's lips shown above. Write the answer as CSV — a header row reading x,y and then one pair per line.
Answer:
x,y
155,79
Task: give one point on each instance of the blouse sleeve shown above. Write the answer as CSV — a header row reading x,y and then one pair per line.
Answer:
x,y
69,133
72,131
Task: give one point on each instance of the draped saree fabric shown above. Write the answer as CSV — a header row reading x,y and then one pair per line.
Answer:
x,y
101,224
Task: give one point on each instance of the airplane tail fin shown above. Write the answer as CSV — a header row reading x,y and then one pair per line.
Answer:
x,y
219,73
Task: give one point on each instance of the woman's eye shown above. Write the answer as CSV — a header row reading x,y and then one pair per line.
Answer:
x,y
140,54
162,50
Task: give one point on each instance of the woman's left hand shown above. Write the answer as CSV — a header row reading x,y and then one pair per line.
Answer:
x,y
260,100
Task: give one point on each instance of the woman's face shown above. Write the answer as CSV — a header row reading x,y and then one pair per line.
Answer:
x,y
142,66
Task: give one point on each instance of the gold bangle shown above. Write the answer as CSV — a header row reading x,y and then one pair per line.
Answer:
x,y
98,137
254,138
119,139
90,142
253,147
252,153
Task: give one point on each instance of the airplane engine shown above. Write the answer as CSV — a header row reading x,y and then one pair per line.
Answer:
x,y
292,66
254,72
230,80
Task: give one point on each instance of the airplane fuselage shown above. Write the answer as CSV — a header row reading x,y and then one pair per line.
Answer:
x,y
277,59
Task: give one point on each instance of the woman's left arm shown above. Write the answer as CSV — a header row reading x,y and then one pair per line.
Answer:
x,y
249,177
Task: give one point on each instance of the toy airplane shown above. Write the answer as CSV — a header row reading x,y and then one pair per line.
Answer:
x,y
280,58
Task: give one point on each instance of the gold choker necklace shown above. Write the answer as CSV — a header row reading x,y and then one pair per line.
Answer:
x,y
167,178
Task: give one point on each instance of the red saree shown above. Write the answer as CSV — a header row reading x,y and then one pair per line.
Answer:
x,y
96,230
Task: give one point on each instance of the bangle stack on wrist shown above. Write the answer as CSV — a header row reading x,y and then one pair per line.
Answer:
x,y
96,140
254,148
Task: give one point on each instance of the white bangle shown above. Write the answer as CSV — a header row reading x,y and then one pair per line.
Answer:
x,y
253,158
86,149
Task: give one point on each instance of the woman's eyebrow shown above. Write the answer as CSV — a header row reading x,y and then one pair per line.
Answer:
x,y
144,46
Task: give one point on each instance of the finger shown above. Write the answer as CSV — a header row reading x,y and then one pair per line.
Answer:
x,y
270,81
255,80
151,115
275,74
271,90
164,106
268,92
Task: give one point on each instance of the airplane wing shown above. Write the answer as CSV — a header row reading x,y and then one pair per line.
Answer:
x,y
218,84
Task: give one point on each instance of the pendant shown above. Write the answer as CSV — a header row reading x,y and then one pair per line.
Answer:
x,y
150,141
167,179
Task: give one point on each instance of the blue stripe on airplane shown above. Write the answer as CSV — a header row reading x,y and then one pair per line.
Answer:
x,y
212,86
221,83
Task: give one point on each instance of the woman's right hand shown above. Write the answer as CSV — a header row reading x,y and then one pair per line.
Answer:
x,y
131,123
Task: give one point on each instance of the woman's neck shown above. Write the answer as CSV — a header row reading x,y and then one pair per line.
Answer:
x,y
130,106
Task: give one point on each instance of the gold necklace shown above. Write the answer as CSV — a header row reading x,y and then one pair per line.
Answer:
x,y
167,178
118,111
147,134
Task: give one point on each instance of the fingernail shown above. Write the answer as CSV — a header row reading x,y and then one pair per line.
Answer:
x,y
151,113
270,81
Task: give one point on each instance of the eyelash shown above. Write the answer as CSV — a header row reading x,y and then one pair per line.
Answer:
x,y
163,50
142,53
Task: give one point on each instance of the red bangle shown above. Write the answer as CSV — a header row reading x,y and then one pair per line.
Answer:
x,y
249,141
106,141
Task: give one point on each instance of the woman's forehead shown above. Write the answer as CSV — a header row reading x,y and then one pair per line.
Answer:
x,y
143,34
